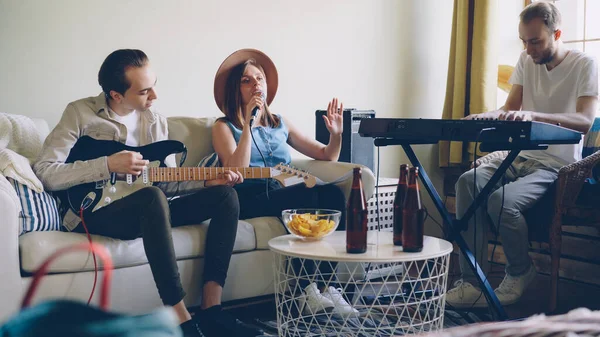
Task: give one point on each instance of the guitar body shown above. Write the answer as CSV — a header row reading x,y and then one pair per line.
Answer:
x,y
88,148
95,195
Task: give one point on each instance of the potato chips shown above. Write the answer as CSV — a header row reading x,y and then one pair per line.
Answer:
x,y
309,225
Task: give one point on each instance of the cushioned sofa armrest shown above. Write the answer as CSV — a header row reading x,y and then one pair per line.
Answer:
x,y
9,193
331,171
10,286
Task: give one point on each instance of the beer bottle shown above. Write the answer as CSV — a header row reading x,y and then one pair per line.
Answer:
x,y
356,216
413,215
399,203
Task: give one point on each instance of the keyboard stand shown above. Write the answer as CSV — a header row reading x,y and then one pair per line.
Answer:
x,y
457,225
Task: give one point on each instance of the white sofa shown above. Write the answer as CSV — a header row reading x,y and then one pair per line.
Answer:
x,y
133,289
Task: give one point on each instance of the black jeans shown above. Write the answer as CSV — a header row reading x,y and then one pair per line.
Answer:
x,y
255,202
147,214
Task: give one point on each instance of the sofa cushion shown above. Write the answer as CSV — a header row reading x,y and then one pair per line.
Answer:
x,y
195,134
252,234
266,228
188,241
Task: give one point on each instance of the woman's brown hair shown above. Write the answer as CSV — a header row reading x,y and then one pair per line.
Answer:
x,y
232,106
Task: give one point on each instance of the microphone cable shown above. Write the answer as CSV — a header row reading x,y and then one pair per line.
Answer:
x,y
252,118
261,155
497,233
475,193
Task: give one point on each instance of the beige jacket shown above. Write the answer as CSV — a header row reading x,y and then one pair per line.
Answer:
x,y
90,117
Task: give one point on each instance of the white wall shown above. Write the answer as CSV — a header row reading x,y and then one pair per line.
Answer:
x,y
386,55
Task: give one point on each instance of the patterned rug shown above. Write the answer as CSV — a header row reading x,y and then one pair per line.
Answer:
x,y
339,326
383,311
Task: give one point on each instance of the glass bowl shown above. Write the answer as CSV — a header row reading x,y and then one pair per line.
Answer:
x,y
311,224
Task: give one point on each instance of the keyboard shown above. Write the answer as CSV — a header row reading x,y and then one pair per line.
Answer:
x,y
494,134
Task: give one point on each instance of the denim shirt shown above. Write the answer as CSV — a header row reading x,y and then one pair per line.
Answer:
x,y
272,142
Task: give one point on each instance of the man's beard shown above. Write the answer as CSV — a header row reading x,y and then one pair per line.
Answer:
x,y
547,58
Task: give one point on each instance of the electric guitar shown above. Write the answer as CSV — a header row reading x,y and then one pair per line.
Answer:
x,y
96,195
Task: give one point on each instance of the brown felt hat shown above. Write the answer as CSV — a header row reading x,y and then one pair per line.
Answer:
x,y
237,58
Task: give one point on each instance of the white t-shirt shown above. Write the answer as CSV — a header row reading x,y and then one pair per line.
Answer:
x,y
132,123
556,91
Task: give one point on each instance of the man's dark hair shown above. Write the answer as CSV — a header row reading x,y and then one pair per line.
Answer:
x,y
544,10
112,72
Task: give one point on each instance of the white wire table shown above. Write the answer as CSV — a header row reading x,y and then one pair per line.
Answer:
x,y
395,293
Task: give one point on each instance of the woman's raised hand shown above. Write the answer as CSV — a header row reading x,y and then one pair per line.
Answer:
x,y
334,120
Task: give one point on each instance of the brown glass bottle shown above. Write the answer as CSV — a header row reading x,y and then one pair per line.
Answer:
x,y
356,215
399,203
413,215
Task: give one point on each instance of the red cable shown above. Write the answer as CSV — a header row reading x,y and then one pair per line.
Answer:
x,y
93,255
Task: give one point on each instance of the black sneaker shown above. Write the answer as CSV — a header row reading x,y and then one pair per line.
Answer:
x,y
215,322
190,329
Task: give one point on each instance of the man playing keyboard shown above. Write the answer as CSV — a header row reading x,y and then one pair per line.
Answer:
x,y
550,84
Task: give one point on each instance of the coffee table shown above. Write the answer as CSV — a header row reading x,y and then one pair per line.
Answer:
x,y
396,293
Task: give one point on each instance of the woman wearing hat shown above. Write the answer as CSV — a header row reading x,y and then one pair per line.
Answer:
x,y
245,85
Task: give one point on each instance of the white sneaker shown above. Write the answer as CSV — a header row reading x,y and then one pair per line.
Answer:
x,y
464,295
341,307
313,302
512,287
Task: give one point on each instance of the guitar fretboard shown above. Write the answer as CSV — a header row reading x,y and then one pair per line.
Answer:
x,y
170,174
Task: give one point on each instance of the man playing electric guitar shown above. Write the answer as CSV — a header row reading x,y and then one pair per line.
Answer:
x,y
122,112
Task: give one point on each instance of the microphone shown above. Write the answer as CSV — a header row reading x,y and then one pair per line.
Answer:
x,y
255,110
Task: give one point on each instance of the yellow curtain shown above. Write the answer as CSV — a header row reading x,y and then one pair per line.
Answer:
x,y
472,70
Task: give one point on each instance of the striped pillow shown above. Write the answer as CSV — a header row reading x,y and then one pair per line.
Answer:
x,y
39,210
211,160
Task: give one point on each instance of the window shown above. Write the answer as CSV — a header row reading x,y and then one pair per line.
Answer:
x,y
581,28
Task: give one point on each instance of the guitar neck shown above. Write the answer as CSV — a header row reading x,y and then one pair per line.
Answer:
x,y
171,174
